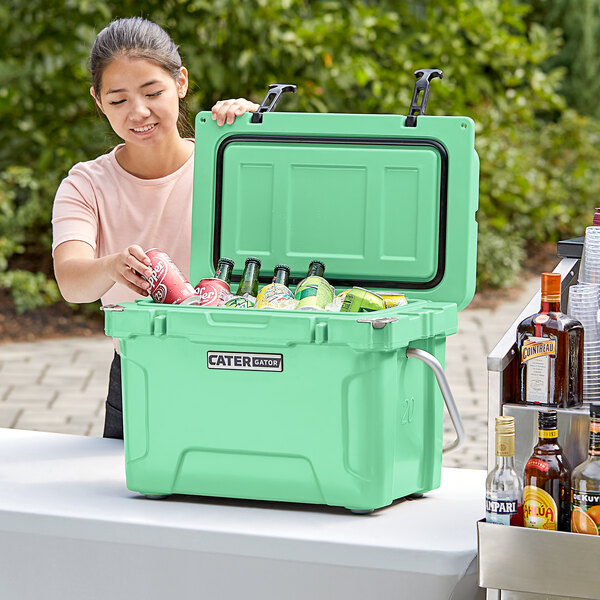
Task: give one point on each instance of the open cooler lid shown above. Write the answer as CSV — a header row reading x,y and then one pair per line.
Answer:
x,y
387,202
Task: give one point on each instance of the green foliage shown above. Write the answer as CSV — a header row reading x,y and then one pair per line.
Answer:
x,y
537,157
578,22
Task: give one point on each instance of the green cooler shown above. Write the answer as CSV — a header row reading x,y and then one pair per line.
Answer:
x,y
343,409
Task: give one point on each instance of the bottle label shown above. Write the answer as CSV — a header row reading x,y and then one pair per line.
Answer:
x,y
500,510
539,509
537,463
537,354
548,434
594,449
585,512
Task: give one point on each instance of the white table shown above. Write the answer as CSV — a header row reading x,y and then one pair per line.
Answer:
x,y
70,529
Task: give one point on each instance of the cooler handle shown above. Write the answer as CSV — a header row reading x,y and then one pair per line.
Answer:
x,y
432,362
271,100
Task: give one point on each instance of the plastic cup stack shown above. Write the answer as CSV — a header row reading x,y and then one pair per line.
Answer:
x,y
584,305
589,269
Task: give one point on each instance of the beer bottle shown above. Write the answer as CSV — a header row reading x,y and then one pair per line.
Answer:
x,y
547,480
281,275
249,281
504,492
277,294
316,269
585,483
224,269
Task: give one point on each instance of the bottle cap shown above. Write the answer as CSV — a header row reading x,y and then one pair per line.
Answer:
x,y
282,266
253,259
551,287
226,260
596,220
505,425
547,419
318,262
595,411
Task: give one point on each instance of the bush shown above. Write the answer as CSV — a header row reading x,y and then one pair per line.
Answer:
x,y
537,180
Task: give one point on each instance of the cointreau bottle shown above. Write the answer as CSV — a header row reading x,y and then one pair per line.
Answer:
x,y
550,352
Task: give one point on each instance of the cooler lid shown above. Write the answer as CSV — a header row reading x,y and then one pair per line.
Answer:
x,y
383,204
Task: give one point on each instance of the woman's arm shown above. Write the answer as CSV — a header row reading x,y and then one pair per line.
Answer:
x,y
83,278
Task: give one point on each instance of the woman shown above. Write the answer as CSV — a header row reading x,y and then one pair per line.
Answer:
x,y
139,195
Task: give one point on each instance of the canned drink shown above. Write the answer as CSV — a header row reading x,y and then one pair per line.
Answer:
x,y
274,295
361,300
342,295
394,299
240,302
212,291
314,293
167,283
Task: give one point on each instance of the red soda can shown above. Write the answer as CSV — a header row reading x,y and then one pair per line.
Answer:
x,y
212,291
167,283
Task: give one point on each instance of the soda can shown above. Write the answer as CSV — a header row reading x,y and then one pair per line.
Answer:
x,y
361,300
314,293
394,299
342,295
167,283
274,295
212,291
240,302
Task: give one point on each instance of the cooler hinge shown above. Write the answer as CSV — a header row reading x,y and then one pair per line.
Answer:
x,y
271,100
421,94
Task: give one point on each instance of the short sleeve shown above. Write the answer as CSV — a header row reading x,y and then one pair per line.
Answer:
x,y
75,212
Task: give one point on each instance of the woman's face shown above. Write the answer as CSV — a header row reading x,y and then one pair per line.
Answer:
x,y
141,100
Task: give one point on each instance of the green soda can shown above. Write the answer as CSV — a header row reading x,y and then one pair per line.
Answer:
x,y
240,302
360,300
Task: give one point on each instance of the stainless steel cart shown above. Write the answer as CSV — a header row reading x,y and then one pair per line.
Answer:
x,y
527,564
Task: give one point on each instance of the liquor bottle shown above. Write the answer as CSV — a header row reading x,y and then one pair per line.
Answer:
x,y
249,282
504,492
547,480
277,294
585,483
550,351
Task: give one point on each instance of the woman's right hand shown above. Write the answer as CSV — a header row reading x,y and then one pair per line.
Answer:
x,y
128,266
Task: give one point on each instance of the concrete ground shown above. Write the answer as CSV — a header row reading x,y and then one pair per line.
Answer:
x,y
60,385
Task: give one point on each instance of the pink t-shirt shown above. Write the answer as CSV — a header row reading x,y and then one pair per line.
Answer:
x,y
105,206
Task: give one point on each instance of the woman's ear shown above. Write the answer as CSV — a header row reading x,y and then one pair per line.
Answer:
x,y
182,82
98,103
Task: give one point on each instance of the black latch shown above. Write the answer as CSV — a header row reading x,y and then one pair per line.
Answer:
x,y
423,76
271,100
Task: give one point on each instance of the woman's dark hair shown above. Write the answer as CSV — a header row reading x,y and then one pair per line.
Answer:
x,y
138,38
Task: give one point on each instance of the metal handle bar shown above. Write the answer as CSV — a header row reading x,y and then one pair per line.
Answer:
x,y
432,362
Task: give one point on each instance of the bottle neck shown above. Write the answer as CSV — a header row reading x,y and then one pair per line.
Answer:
x,y
548,436
594,445
550,304
505,462
223,272
249,282
315,270
282,277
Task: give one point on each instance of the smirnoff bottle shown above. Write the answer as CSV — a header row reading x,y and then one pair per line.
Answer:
x,y
550,353
585,483
504,492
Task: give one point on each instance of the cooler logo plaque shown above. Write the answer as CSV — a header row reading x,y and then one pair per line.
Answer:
x,y
245,361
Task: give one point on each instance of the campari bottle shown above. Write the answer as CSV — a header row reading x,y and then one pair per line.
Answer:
x,y
504,492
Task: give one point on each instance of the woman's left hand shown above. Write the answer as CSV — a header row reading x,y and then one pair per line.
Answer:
x,y
227,110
